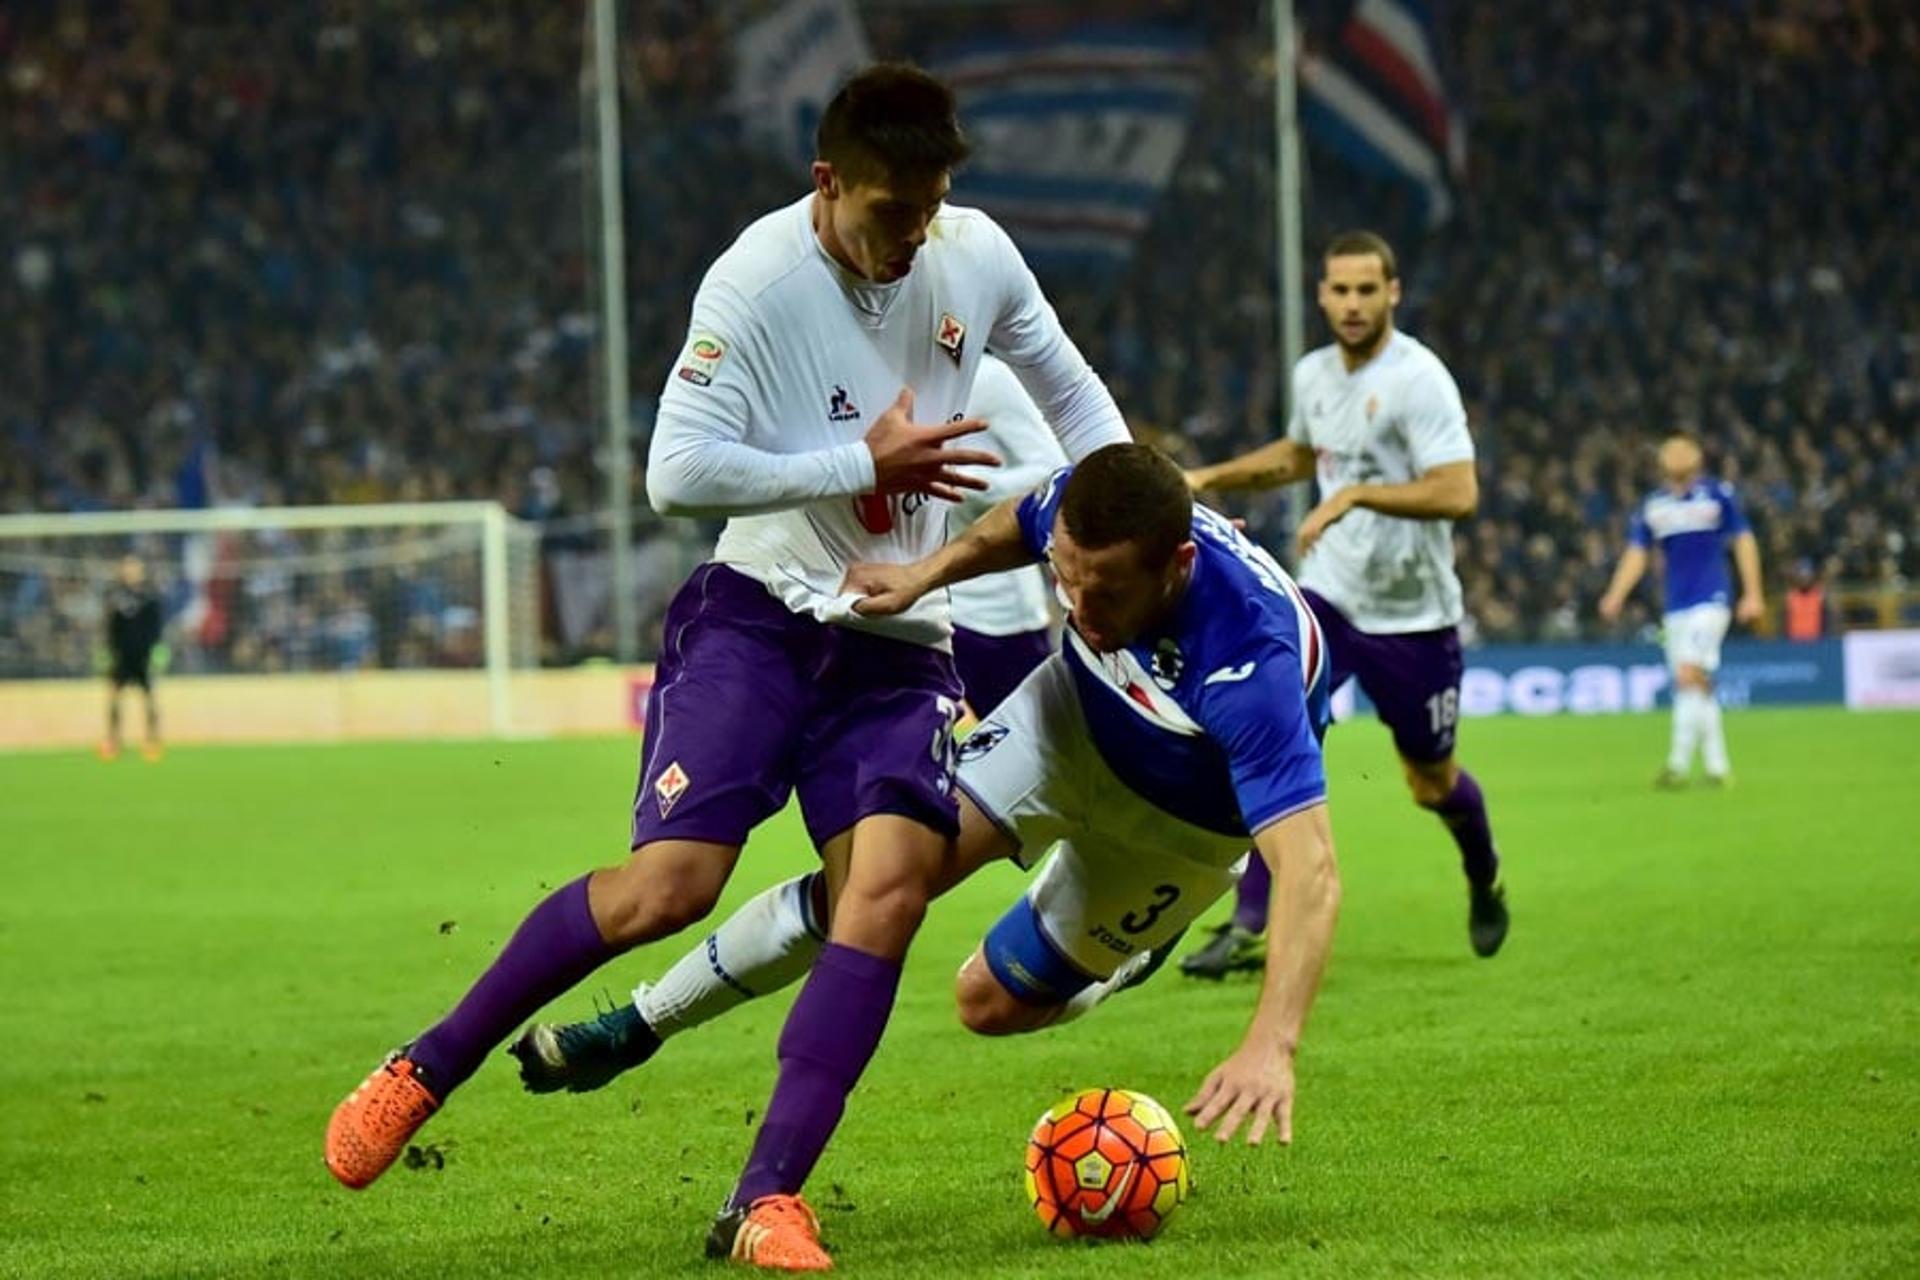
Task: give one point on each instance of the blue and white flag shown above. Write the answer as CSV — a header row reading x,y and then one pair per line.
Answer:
x,y
787,67
1075,134
1373,93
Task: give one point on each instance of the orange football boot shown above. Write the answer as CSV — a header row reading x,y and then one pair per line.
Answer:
x,y
371,1128
777,1233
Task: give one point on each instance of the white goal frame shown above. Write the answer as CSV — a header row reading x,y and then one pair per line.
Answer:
x,y
498,531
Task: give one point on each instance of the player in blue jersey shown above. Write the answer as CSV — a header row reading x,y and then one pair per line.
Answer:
x,y
1695,520
1181,719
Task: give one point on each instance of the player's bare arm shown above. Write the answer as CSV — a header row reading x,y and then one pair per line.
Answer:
x,y
1255,1084
1281,462
990,545
1626,576
915,459
1753,599
1450,491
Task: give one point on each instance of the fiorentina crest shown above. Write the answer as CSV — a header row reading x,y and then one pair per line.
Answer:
x,y
951,335
670,786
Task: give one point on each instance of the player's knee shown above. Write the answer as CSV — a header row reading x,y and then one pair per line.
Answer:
x,y
1431,784
985,1007
1690,676
639,903
886,913
680,903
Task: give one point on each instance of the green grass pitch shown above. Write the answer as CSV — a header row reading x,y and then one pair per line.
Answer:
x,y
1699,1054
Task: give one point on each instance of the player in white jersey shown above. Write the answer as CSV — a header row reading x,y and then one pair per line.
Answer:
x,y
816,341
1180,720
1695,520
1377,419
1002,622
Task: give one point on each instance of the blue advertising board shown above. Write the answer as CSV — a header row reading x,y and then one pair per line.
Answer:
x,y
1543,680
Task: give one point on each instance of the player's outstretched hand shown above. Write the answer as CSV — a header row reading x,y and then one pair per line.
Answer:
x,y
1610,608
1255,1084
914,459
1749,609
886,589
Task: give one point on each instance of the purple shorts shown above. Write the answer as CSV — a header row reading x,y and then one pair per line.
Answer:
x,y
991,667
1413,679
752,702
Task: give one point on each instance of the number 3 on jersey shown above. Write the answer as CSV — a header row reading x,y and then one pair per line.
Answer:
x,y
1164,896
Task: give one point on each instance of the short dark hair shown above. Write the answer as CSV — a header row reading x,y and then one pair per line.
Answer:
x,y
1128,493
891,119
1352,244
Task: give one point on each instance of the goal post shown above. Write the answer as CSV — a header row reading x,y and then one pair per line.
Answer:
x,y
314,589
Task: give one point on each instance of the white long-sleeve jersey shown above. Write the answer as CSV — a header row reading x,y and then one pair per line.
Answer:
x,y
1017,601
789,359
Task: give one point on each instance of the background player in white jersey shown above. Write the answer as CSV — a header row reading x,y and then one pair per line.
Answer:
x,y
1694,519
1377,417
865,293
1181,718
1002,622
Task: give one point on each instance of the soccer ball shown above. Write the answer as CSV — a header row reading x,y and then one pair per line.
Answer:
x,y
1106,1162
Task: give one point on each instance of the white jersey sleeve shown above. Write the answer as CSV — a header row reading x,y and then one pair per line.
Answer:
x,y
1435,419
698,462
1029,337
1010,603
1017,431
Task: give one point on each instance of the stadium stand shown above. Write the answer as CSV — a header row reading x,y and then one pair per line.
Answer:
x,y
326,253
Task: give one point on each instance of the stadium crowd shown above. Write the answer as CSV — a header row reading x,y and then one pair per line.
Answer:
x,y
328,252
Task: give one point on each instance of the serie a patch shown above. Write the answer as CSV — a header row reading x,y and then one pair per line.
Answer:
x,y
702,360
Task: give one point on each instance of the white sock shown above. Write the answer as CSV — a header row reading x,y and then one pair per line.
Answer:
x,y
1092,995
765,945
1686,730
1713,741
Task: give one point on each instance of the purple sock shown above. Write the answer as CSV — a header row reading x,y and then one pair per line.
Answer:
x,y
830,1036
1465,813
555,946
1252,896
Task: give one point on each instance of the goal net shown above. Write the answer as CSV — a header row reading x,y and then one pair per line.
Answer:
x,y
411,586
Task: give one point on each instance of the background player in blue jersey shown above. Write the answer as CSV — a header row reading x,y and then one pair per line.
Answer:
x,y
1181,719
1694,519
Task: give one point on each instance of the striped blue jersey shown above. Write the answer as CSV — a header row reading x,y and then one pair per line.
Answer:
x,y
1693,530
1217,717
